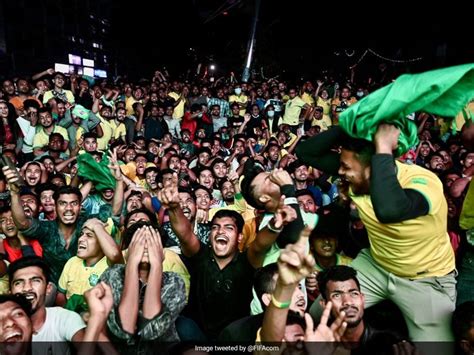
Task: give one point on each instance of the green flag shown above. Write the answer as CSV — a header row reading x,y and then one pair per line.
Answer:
x,y
442,92
98,173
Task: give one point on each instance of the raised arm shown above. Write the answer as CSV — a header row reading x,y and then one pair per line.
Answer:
x,y
117,202
268,235
294,265
128,307
169,198
391,202
21,221
317,151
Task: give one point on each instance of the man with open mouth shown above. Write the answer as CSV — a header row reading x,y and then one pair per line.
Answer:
x,y
59,237
15,325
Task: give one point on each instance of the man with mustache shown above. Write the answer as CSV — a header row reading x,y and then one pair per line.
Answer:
x,y
30,277
188,207
340,287
59,237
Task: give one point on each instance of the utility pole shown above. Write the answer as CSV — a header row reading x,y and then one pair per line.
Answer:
x,y
248,63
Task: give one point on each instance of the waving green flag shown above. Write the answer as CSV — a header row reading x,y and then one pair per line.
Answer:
x,y
442,92
98,173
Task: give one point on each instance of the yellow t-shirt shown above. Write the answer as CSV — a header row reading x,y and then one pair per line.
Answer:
x,y
340,260
129,101
77,278
42,138
292,111
418,247
119,130
324,123
325,104
178,111
242,99
48,95
108,132
307,98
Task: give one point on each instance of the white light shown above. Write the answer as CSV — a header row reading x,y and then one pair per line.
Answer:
x,y
87,62
212,67
88,71
63,68
74,59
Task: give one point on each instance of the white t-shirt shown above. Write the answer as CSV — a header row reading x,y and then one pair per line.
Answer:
x,y
28,132
58,329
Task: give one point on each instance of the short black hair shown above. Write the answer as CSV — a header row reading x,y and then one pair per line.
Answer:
x,y
335,273
67,190
295,318
463,320
19,299
25,191
363,149
236,216
45,187
295,165
89,135
143,210
201,187
251,170
264,282
28,261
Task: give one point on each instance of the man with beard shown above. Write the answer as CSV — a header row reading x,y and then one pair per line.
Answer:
x,y
340,287
272,153
23,87
55,148
59,237
155,125
47,127
401,206
54,325
30,203
79,121
436,163
187,204
232,198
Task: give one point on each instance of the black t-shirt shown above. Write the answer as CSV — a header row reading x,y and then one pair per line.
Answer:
x,y
218,297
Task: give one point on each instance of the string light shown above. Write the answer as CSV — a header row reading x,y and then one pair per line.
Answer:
x,y
368,50
394,60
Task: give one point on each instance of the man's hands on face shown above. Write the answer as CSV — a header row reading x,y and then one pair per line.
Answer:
x,y
386,138
295,263
155,248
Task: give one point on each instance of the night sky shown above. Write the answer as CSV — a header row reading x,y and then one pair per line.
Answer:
x,y
293,38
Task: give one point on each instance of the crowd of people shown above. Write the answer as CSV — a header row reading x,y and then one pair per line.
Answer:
x,y
161,214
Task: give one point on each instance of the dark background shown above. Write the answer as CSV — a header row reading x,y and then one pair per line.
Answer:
x,y
295,39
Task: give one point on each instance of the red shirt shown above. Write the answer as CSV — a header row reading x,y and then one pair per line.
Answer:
x,y
15,254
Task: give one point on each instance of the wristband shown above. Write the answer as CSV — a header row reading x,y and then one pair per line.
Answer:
x,y
273,229
291,201
280,305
